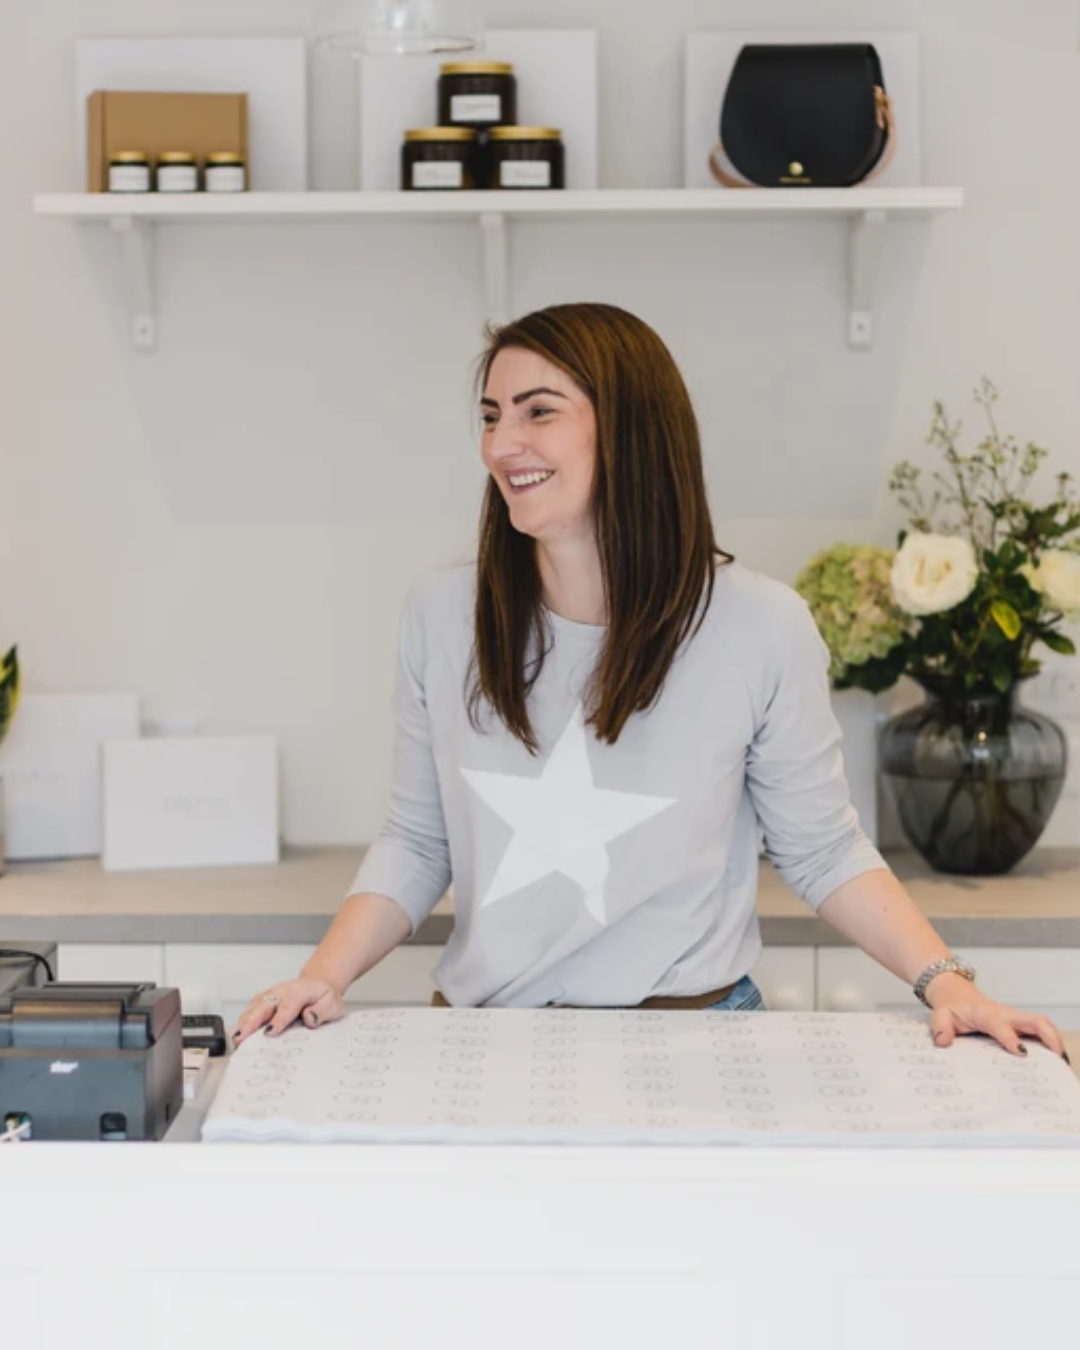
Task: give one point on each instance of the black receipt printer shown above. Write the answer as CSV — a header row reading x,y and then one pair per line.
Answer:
x,y
90,1061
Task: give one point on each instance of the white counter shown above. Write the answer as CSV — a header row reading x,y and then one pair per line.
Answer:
x,y
390,1248
276,1247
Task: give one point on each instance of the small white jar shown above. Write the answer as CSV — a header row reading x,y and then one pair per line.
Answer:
x,y
225,172
129,171
177,172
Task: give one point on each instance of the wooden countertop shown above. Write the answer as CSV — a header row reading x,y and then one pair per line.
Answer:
x,y
1037,905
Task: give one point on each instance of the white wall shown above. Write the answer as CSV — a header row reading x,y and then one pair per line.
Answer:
x,y
229,526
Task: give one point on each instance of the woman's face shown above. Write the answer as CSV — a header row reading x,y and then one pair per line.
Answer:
x,y
539,445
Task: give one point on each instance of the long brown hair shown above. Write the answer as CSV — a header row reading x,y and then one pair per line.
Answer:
x,y
651,513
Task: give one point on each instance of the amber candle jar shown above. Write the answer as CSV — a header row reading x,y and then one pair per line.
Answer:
x,y
439,158
525,157
480,94
129,171
177,171
225,172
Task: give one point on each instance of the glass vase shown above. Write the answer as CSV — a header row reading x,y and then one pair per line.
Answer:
x,y
974,777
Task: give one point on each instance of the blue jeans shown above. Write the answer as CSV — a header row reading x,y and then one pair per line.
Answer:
x,y
745,997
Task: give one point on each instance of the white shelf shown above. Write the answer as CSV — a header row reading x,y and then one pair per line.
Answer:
x,y
865,211
282,206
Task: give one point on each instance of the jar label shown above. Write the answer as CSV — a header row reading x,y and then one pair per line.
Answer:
x,y
177,178
225,178
129,178
524,173
436,175
476,108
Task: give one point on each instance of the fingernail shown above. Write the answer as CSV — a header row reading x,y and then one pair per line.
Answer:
x,y
1022,1048
1065,1057
314,1019
268,1031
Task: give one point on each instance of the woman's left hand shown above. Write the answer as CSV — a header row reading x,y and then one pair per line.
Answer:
x,y
959,1012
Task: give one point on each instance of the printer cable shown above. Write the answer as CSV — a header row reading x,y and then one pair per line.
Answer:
x,y
29,956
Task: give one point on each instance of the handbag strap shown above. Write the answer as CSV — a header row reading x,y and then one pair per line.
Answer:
x,y
886,118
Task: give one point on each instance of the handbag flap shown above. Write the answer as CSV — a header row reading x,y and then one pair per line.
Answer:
x,y
804,113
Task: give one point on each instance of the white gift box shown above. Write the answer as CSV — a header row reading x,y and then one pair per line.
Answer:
x,y
50,767
190,801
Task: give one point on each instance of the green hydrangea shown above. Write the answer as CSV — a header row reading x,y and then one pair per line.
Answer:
x,y
848,591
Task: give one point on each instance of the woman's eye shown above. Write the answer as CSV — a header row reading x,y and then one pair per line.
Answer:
x,y
488,419
539,412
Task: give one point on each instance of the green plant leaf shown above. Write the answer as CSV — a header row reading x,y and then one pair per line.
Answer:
x,y
1006,619
9,689
875,675
1058,642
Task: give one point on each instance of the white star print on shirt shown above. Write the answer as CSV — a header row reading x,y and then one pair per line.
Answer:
x,y
561,820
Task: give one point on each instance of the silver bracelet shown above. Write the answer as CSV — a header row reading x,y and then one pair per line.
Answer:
x,y
947,963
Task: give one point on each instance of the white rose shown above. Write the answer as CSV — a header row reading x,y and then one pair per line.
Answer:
x,y
1056,578
933,572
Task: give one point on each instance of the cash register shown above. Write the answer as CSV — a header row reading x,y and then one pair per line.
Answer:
x,y
90,1061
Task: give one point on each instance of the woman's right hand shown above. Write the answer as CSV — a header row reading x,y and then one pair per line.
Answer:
x,y
313,1001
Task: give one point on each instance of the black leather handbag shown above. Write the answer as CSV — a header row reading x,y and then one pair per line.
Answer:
x,y
805,115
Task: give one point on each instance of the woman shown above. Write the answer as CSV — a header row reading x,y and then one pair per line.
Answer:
x,y
594,720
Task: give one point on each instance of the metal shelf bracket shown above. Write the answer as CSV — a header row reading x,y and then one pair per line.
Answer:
x,y
496,245
137,247
865,239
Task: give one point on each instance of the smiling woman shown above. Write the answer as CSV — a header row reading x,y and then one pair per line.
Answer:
x,y
599,718
597,492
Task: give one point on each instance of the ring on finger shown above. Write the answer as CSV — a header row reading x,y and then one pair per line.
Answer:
x,y
272,999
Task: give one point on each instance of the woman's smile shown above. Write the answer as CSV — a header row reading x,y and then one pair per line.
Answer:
x,y
528,480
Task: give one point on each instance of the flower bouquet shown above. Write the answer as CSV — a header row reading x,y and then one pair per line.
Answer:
x,y
982,576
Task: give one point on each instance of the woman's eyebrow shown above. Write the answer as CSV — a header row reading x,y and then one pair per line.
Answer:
x,y
486,402
532,393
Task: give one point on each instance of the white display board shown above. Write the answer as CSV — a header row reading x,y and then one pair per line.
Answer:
x,y
710,59
856,711
271,71
50,764
190,801
556,75
562,1076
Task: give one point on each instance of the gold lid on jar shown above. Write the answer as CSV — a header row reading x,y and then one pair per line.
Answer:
x,y
128,157
477,68
525,134
441,134
176,157
225,157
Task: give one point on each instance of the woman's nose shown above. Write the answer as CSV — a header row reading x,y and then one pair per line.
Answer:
x,y
505,443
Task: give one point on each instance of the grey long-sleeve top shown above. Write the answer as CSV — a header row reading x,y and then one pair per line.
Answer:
x,y
597,874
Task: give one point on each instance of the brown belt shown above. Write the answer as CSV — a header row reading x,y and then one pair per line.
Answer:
x,y
659,1002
